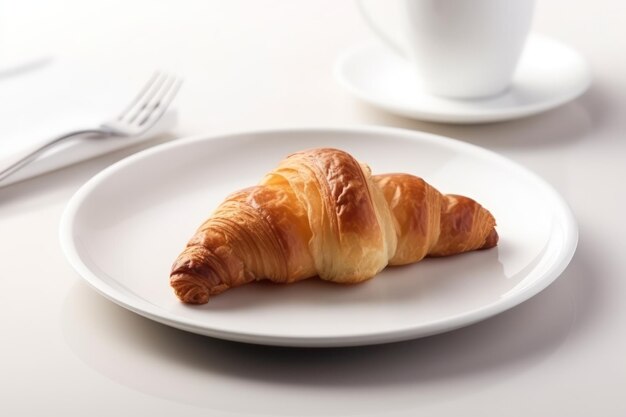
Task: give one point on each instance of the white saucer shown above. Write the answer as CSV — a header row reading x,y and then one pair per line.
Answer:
x,y
549,74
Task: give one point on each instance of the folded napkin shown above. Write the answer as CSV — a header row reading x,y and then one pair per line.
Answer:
x,y
47,97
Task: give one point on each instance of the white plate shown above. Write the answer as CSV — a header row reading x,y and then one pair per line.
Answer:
x,y
124,228
549,74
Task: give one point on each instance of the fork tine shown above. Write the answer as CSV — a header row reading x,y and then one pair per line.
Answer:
x,y
155,90
139,97
159,103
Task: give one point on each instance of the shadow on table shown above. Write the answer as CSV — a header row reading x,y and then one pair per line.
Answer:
x,y
23,68
192,369
563,126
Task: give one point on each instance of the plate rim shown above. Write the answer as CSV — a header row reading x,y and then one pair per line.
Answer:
x,y
144,308
482,117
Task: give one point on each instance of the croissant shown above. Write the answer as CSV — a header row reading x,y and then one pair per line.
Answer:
x,y
322,213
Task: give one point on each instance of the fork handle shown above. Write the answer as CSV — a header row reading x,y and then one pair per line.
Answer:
x,y
20,159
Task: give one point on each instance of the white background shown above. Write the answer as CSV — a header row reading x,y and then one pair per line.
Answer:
x,y
253,64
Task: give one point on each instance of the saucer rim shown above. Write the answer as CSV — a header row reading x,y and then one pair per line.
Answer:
x,y
477,115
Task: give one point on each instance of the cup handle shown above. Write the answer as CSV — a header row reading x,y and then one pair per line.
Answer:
x,y
373,25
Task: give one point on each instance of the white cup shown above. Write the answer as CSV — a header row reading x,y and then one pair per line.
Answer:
x,y
461,48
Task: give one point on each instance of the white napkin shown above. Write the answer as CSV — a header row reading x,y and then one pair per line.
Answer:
x,y
46,97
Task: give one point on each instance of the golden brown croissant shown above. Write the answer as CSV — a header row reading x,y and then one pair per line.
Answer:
x,y
321,212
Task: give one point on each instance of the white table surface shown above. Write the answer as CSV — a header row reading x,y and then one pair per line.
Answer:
x,y
253,64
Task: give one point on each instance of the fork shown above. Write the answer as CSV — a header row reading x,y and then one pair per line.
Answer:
x,y
138,117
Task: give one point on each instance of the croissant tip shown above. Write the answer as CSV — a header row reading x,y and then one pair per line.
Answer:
x,y
492,240
188,289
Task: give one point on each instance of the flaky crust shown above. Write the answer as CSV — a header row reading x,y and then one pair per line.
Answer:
x,y
322,213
